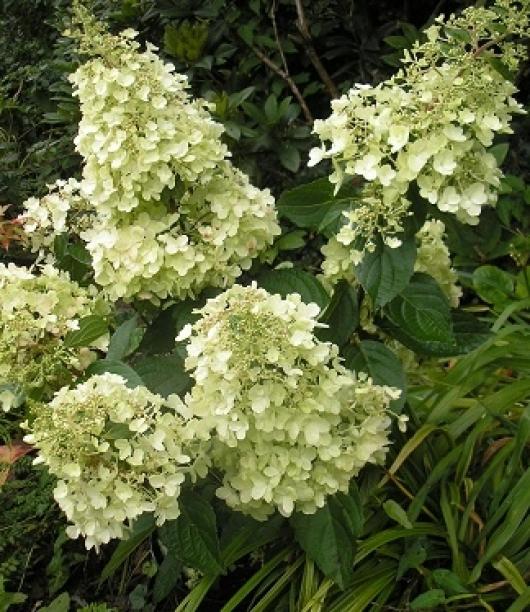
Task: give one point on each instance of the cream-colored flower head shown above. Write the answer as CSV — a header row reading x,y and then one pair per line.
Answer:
x,y
434,259
117,452
431,124
289,424
37,311
160,208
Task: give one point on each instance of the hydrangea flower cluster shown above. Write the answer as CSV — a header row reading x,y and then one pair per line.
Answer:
x,y
171,215
116,453
289,425
36,313
431,124
61,210
434,259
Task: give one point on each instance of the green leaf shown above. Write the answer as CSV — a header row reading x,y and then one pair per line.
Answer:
x,y
498,65
289,157
307,205
124,340
493,284
143,527
328,537
115,367
449,582
341,315
385,272
166,577
193,535
59,604
458,33
397,42
271,108
428,600
164,374
291,241
499,152
294,280
421,311
90,329
414,556
381,364
397,513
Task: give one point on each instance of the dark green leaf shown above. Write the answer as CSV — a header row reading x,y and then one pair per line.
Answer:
x,y
60,604
499,152
164,374
341,315
428,600
124,340
493,284
90,329
193,535
289,157
449,582
294,280
166,577
115,367
307,205
328,537
498,65
421,311
397,42
385,272
380,363
414,556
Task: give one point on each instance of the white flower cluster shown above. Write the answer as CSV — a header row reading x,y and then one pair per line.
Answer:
x,y
216,231
434,259
61,210
116,453
36,313
431,124
171,215
289,425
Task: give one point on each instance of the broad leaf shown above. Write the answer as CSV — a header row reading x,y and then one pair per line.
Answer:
x,y
421,311
341,315
124,340
193,535
493,284
164,374
328,536
166,577
115,367
385,272
90,329
294,280
429,600
380,363
308,205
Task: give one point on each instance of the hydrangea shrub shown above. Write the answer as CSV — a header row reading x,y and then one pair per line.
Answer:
x,y
289,385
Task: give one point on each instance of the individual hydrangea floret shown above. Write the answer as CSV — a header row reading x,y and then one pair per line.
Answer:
x,y
434,259
289,425
117,452
430,125
37,311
